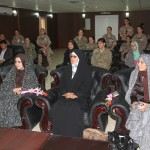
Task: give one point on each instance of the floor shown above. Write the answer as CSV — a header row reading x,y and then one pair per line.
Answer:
x,y
57,58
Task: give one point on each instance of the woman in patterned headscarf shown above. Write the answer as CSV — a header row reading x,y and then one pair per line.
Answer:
x,y
138,97
20,77
133,55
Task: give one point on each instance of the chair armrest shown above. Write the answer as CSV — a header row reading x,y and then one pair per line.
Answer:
x,y
119,110
29,113
98,114
45,103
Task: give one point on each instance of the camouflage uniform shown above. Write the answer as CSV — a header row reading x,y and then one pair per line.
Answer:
x,y
101,58
17,40
30,50
141,40
125,31
81,42
44,40
124,48
91,46
110,41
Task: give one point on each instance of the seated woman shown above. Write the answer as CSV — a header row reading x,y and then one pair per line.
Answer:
x,y
91,45
139,99
20,77
125,47
67,112
71,46
102,56
133,55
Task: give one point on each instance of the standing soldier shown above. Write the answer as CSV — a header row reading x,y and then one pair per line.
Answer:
x,y
126,30
102,56
81,40
29,49
17,39
43,41
110,39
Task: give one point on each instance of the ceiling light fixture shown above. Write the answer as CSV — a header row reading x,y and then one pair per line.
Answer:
x,y
83,15
50,15
127,14
14,12
36,14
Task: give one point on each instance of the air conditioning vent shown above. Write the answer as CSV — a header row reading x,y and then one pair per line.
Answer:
x,y
5,11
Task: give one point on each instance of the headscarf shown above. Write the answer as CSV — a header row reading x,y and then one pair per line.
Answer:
x,y
136,53
74,66
20,73
134,76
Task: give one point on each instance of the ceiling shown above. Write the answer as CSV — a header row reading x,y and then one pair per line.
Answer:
x,y
70,6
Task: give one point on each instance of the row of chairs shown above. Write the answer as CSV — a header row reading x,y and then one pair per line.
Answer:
x,y
104,82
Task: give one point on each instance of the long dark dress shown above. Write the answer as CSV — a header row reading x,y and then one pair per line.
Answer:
x,y
67,114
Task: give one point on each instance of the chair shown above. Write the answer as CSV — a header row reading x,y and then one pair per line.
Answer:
x,y
96,117
30,113
119,109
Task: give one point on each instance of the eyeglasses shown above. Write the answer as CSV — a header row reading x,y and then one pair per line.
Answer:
x,y
73,56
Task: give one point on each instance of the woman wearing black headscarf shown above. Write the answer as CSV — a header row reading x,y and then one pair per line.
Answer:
x,y
67,112
20,77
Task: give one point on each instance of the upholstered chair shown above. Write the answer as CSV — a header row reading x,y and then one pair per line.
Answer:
x,y
96,117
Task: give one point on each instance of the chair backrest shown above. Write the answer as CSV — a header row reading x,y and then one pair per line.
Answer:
x,y
88,55
100,79
121,79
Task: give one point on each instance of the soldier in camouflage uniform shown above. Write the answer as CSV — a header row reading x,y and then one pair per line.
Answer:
x,y
140,38
81,40
102,56
29,49
17,39
110,39
125,47
126,30
91,45
43,41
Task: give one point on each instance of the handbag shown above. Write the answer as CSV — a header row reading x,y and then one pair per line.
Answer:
x,y
121,142
95,134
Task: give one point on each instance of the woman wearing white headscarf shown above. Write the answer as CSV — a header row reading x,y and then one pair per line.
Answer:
x,y
138,122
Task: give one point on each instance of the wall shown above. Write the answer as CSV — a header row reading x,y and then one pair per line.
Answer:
x,y
64,26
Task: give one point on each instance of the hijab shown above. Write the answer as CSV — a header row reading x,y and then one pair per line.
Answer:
x,y
136,53
20,73
134,76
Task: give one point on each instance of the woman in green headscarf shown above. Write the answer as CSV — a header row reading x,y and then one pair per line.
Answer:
x,y
133,55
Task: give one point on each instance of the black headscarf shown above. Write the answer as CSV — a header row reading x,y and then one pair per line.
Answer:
x,y
67,52
80,84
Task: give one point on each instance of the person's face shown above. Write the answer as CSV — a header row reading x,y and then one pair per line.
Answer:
x,y
18,64
126,22
108,30
74,59
27,41
70,45
3,46
91,41
16,32
141,65
128,40
42,31
101,44
133,46
2,37
80,33
139,30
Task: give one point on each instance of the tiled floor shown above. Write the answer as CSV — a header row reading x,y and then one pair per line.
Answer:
x,y
57,58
